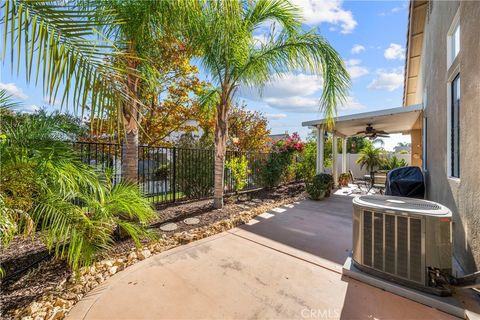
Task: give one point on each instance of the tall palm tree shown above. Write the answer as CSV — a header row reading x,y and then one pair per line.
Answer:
x,y
58,40
146,23
223,32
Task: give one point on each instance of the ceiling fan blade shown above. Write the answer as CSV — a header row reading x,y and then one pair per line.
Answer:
x,y
382,132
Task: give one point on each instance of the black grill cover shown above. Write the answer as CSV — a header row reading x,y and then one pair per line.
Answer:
x,y
405,182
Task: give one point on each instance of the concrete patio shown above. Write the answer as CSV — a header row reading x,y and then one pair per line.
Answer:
x,y
284,264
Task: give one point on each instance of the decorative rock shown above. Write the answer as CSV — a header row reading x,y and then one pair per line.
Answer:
x,y
108,263
113,270
57,314
144,254
132,256
169,226
191,221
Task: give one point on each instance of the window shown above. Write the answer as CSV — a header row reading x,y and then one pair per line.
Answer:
x,y
453,40
455,128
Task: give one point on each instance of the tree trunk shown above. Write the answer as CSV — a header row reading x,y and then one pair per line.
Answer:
x,y
130,156
131,119
221,133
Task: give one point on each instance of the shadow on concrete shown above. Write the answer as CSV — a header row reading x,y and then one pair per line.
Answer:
x,y
321,228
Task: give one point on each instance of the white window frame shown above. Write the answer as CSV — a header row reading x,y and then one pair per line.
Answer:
x,y
451,39
454,74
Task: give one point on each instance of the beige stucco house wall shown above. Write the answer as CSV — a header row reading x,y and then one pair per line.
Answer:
x,y
427,81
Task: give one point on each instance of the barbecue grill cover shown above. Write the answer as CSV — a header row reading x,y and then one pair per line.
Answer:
x,y
405,182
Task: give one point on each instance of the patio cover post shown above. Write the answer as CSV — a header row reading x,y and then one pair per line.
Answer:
x,y
344,154
319,163
334,159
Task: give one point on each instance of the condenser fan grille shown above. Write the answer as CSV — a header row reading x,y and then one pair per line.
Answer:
x,y
400,203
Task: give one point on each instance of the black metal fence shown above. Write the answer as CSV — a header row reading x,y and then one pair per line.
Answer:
x,y
167,175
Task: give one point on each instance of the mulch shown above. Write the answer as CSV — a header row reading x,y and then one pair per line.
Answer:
x,y
25,255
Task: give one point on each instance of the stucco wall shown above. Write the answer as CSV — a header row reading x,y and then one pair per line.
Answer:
x,y
461,196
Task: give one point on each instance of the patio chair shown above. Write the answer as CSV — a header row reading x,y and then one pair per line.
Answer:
x,y
359,182
379,181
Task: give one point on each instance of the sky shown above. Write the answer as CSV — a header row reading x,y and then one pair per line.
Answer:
x,y
369,35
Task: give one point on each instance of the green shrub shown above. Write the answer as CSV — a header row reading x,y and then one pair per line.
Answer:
x,y
319,186
279,165
76,208
239,169
393,163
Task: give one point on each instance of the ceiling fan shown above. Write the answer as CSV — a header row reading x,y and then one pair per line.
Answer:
x,y
372,133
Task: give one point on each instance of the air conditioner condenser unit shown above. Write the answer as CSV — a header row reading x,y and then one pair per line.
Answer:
x,y
404,240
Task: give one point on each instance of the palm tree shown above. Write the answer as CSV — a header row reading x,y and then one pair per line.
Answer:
x,y
370,158
223,33
105,76
145,25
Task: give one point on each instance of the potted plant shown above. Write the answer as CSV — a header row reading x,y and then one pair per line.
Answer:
x,y
320,186
344,179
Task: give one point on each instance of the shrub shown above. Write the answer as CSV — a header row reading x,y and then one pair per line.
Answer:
x,y
75,207
393,163
239,169
278,166
319,186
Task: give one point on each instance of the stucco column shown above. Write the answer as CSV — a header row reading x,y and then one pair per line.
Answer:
x,y
344,155
319,163
334,159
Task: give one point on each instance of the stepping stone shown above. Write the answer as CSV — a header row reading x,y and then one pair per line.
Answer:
x,y
169,227
191,221
243,206
250,203
257,200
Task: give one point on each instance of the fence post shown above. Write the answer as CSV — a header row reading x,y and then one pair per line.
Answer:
x,y
174,182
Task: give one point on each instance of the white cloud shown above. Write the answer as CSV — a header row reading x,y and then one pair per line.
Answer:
x,y
355,69
394,51
300,104
294,103
316,12
13,90
285,85
276,116
394,10
351,103
28,109
56,103
387,80
356,49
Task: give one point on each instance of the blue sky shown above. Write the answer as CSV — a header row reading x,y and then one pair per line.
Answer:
x,y
369,35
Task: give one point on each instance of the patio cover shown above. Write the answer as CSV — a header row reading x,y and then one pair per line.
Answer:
x,y
394,120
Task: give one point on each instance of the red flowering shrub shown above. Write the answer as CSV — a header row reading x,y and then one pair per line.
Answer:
x,y
280,165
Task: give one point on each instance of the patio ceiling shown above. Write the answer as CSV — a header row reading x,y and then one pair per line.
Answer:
x,y
395,120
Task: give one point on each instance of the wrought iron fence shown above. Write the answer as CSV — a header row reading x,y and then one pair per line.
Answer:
x,y
167,175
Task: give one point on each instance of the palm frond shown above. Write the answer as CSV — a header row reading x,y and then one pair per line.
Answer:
x,y
59,46
279,11
7,101
307,51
